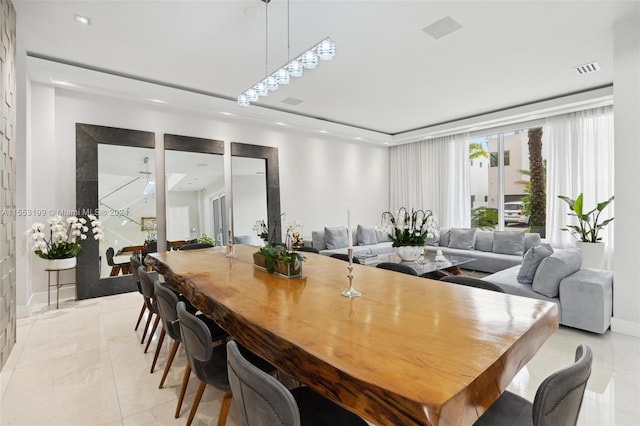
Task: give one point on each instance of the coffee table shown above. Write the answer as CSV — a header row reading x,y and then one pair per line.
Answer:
x,y
429,267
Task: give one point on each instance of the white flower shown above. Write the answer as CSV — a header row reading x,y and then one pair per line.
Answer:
x,y
83,237
82,220
92,218
37,226
72,219
85,229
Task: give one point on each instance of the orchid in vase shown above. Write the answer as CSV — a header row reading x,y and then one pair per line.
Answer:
x,y
64,236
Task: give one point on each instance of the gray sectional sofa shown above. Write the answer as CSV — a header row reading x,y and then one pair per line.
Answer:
x,y
493,251
584,296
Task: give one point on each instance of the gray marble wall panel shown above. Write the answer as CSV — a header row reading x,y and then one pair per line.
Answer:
x,y
8,179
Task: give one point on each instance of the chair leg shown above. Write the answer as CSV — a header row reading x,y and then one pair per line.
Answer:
x,y
146,327
183,388
158,347
153,330
196,402
172,354
224,408
144,307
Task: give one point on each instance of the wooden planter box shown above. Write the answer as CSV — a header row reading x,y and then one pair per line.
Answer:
x,y
286,269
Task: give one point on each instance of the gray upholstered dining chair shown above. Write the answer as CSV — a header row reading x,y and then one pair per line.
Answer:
x,y
472,282
557,401
308,249
344,257
167,306
135,263
194,246
397,267
208,362
265,401
147,279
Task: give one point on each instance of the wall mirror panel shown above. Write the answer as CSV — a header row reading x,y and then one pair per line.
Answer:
x,y
195,197
249,182
253,203
127,203
89,141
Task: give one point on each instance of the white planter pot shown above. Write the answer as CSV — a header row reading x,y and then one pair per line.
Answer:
x,y
408,253
61,264
592,254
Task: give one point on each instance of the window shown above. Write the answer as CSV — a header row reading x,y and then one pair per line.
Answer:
x,y
494,159
510,182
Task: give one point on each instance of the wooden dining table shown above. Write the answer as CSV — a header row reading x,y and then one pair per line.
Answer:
x,y
408,351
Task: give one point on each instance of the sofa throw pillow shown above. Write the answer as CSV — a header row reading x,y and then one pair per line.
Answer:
x,y
318,240
554,268
382,236
531,261
531,239
336,238
432,241
461,238
366,235
484,240
444,237
507,242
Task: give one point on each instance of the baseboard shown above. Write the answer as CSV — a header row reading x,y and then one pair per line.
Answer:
x,y
622,326
37,300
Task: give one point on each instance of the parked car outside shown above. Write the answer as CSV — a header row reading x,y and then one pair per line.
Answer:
x,y
513,213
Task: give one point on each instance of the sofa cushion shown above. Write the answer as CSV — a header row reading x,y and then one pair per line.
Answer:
x,y
432,241
554,268
444,237
336,237
317,240
506,280
484,240
366,235
532,259
508,242
462,238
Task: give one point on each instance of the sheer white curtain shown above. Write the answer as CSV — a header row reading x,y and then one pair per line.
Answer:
x,y
580,160
433,174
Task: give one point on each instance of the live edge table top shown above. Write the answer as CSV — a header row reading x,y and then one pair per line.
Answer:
x,y
408,351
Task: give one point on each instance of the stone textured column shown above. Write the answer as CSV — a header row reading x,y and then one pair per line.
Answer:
x,y
7,180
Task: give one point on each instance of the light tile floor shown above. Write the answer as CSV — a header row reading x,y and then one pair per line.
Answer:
x,y
83,365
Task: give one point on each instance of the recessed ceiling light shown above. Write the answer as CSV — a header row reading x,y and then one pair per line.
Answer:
x,y
280,123
225,113
443,27
324,131
587,68
82,19
358,138
158,101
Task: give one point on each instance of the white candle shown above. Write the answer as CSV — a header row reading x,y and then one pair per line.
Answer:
x,y
349,236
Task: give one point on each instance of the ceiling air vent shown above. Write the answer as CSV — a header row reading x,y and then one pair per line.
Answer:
x,y
292,101
443,27
587,68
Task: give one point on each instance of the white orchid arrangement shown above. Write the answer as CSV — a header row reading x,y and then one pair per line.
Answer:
x,y
64,236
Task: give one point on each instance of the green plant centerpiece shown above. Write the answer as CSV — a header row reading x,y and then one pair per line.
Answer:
x,y
276,258
589,224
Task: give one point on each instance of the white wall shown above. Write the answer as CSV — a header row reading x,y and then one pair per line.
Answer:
x,y
627,176
320,175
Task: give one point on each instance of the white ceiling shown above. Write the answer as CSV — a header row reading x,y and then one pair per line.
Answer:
x,y
388,76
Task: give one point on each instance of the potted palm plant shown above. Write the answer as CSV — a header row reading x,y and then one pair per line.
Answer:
x,y
587,231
